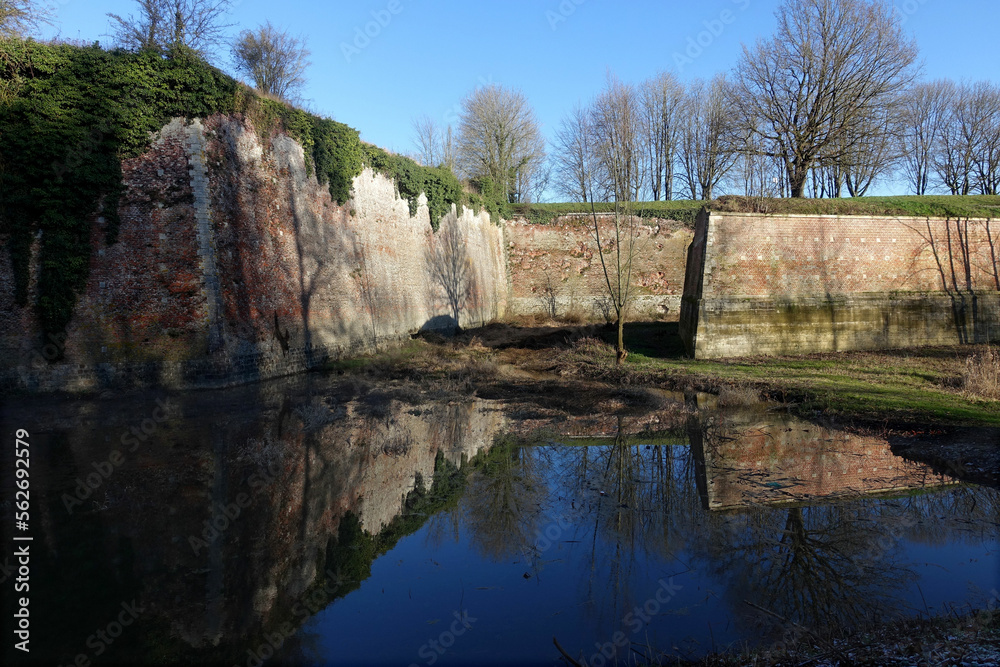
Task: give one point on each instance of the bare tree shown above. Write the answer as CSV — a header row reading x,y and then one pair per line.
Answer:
x,y
871,148
580,173
530,181
706,151
160,25
617,128
616,121
436,147
274,60
830,62
924,110
20,18
984,123
662,97
425,133
499,140
959,160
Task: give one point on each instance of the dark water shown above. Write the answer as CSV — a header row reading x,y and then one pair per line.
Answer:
x,y
312,523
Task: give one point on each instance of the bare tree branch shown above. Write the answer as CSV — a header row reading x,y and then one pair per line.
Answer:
x,y
274,60
160,25
830,62
499,140
21,18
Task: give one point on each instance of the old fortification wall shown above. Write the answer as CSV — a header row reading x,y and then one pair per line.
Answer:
x,y
233,264
555,272
760,284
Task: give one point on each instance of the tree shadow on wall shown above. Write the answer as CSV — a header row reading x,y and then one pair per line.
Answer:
x,y
965,257
372,296
450,268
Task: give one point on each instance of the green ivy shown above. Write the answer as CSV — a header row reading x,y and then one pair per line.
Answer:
x,y
69,115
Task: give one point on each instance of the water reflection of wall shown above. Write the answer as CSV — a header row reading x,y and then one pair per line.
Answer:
x,y
285,461
772,459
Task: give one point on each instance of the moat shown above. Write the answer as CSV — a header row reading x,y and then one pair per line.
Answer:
x,y
318,521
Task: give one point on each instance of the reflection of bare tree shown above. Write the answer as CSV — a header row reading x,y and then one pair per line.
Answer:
x,y
449,266
503,501
825,565
828,566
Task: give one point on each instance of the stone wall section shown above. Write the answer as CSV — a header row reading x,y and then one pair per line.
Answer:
x,y
205,230
233,264
794,284
555,271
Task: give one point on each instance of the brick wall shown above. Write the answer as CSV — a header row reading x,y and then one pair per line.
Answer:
x,y
554,269
787,284
233,264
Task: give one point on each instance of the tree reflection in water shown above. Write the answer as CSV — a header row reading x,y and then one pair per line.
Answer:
x,y
637,515
504,501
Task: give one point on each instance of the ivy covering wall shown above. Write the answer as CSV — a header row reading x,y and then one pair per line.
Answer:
x,y
69,115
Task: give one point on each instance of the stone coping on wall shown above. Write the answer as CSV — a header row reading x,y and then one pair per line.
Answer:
x,y
835,216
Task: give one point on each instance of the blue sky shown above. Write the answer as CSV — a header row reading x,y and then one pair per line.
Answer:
x,y
421,57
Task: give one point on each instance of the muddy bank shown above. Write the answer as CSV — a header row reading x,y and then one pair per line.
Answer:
x,y
971,455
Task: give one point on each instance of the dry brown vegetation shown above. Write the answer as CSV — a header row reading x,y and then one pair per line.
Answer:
x,y
981,378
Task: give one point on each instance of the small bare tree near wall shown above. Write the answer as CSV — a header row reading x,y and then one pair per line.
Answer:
x,y
617,126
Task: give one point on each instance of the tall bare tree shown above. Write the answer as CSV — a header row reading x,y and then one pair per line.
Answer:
x,y
662,98
499,139
274,60
706,145
871,152
829,63
984,123
954,159
435,146
616,119
573,155
425,138
160,25
617,128
924,110
20,18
